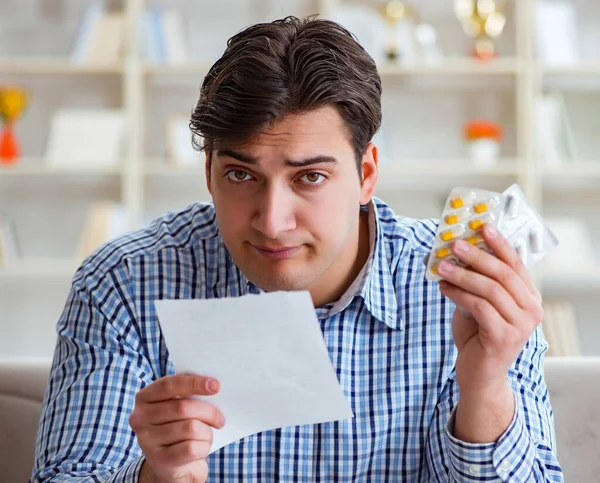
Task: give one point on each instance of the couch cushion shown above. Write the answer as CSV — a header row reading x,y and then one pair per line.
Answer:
x,y
22,387
574,389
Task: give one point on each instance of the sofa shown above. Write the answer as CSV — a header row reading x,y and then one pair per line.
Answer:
x,y
574,385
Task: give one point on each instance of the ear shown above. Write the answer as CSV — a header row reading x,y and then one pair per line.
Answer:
x,y
370,173
207,166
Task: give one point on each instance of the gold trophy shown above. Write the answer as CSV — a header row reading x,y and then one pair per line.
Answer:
x,y
394,13
484,21
13,101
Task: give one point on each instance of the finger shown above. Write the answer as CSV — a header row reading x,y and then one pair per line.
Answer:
x,y
492,267
485,315
508,255
183,409
179,385
179,431
181,454
484,287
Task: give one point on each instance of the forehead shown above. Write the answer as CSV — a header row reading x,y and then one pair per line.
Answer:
x,y
313,133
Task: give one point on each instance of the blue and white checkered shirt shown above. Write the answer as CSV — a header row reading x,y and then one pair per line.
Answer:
x,y
390,344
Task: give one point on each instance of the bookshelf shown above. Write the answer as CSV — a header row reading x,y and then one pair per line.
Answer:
x,y
427,102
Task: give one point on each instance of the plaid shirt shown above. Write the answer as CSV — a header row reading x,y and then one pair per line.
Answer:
x,y
390,344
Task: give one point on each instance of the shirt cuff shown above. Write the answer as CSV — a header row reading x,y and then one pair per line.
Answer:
x,y
511,458
129,473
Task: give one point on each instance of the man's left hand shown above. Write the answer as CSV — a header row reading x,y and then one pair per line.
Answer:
x,y
501,309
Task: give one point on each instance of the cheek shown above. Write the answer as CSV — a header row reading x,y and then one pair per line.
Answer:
x,y
329,219
233,217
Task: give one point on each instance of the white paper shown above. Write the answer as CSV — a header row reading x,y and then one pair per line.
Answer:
x,y
268,353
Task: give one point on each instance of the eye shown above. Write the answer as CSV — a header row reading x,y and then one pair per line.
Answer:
x,y
313,178
238,175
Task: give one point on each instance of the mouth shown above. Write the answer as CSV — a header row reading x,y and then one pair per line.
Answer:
x,y
276,253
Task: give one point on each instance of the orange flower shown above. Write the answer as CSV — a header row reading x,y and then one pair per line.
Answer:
x,y
481,129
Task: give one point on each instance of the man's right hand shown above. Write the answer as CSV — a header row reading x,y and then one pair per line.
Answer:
x,y
174,430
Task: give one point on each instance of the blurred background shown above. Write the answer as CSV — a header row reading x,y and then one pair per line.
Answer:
x,y
95,99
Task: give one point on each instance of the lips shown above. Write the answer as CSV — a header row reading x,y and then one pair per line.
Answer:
x,y
276,253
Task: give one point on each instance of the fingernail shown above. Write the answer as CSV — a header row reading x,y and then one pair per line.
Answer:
x,y
446,268
490,230
461,246
212,385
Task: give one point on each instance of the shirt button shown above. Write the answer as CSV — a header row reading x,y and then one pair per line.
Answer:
x,y
505,465
474,469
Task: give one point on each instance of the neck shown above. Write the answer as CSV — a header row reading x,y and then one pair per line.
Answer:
x,y
335,283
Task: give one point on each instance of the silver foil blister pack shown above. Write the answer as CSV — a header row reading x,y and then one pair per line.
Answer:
x,y
467,210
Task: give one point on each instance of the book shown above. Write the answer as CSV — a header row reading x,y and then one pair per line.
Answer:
x,y
81,44
560,329
105,221
556,27
174,38
9,248
100,37
554,135
85,138
164,38
108,39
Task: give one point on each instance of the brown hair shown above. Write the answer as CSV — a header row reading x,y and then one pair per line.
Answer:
x,y
285,67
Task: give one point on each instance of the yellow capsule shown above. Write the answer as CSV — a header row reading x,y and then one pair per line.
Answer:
x,y
434,269
442,252
485,206
452,219
481,208
453,233
457,203
476,224
474,240
456,217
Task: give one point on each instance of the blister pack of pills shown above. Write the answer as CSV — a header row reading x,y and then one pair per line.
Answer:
x,y
467,210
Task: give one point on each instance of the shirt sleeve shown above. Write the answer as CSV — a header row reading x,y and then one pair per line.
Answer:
x,y
98,367
525,452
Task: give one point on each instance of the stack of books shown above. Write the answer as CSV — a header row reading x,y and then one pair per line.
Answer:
x,y
560,329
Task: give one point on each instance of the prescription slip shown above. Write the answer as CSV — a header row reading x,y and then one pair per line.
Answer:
x,y
268,353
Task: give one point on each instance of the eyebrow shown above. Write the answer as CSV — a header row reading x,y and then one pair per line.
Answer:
x,y
244,158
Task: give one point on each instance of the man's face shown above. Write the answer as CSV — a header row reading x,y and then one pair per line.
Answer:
x,y
288,204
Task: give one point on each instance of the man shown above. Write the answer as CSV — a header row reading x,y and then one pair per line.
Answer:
x,y
286,118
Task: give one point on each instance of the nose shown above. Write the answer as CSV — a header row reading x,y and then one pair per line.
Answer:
x,y
275,213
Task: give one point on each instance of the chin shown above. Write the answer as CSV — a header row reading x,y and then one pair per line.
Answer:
x,y
275,282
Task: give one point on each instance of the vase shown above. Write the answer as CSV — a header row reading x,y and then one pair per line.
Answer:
x,y
9,146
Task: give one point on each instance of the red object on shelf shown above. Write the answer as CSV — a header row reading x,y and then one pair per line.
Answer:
x,y
9,146
479,129
482,56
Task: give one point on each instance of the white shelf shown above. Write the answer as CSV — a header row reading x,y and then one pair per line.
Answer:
x,y
27,169
583,169
442,168
567,284
188,68
160,169
454,66
55,66
38,268
582,68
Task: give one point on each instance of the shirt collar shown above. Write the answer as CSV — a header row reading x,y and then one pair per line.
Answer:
x,y
378,289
